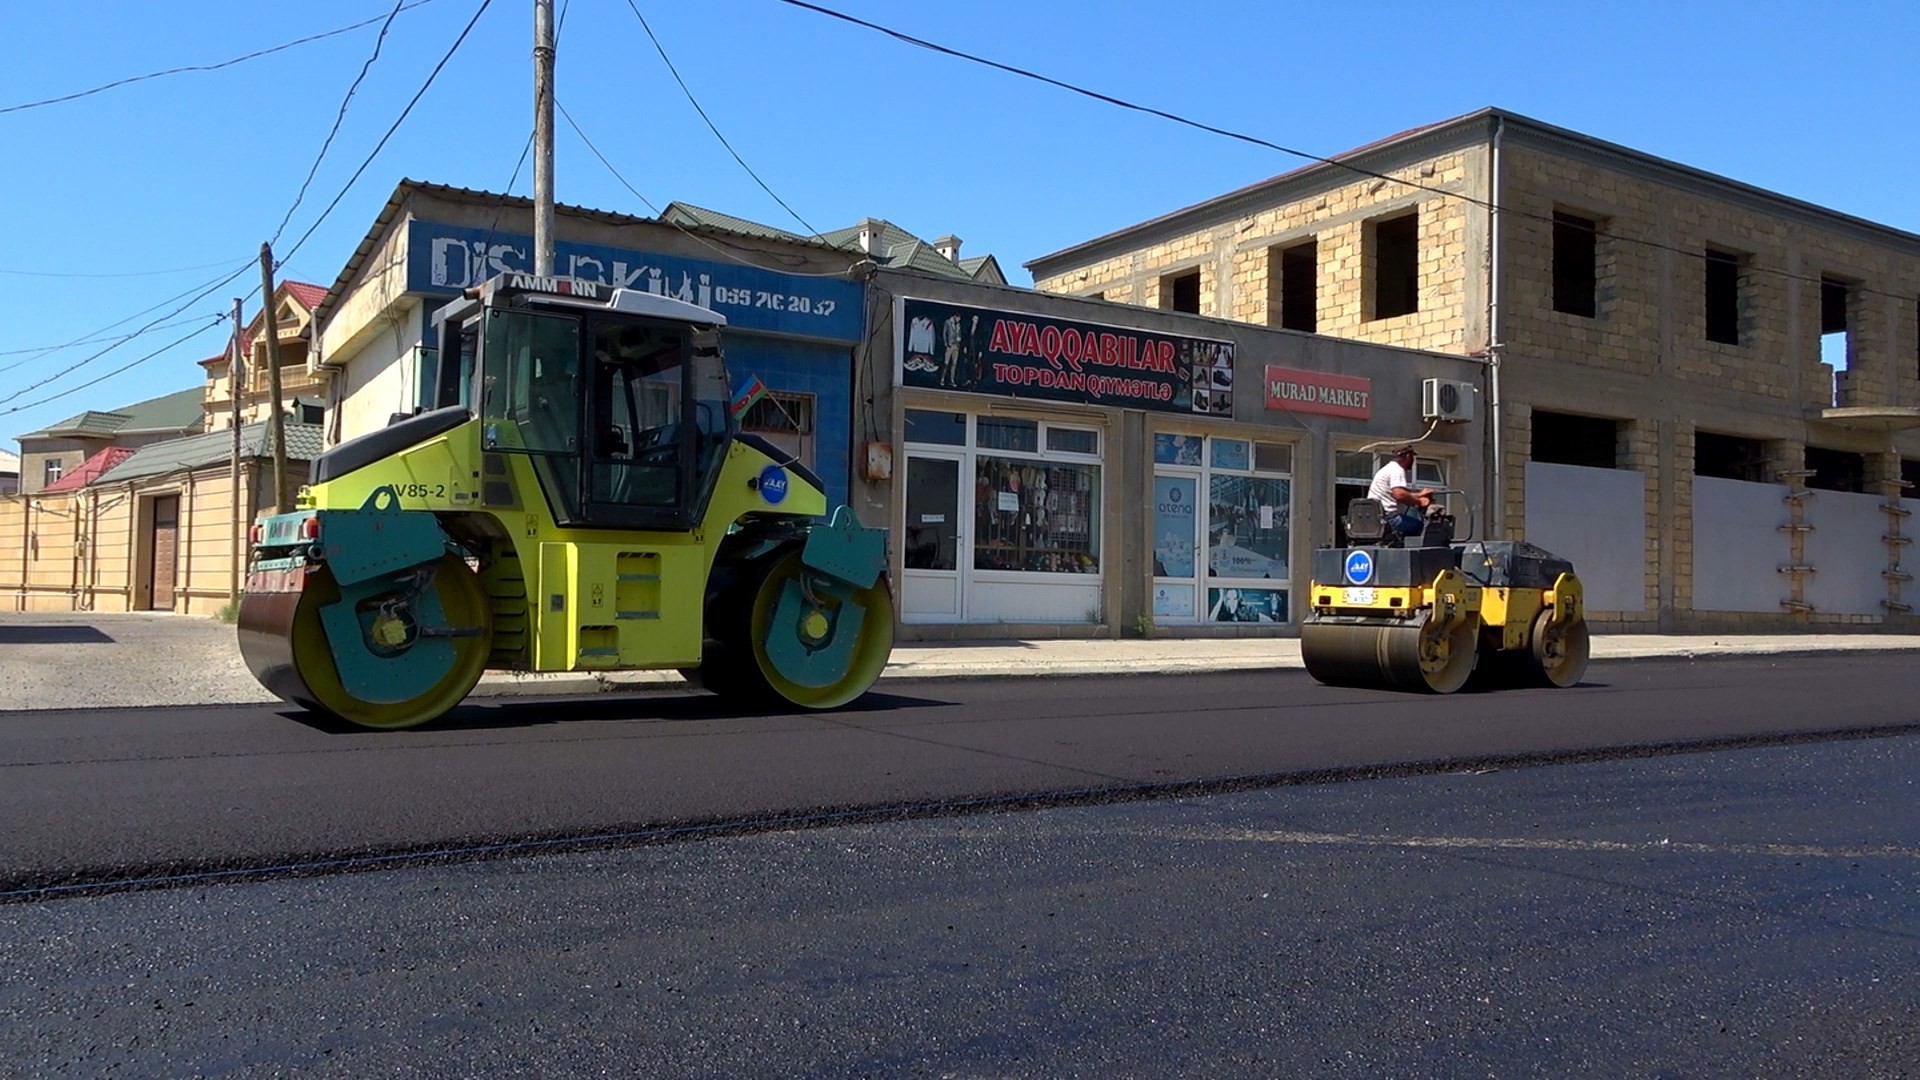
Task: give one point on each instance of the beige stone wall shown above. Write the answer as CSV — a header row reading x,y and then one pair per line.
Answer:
x,y
1239,260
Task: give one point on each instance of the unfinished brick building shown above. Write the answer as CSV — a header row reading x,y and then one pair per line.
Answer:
x,y
1703,392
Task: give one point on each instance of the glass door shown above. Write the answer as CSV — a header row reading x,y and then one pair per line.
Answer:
x,y
1176,530
931,540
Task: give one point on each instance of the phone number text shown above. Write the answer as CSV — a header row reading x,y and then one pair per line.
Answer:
x,y
772,301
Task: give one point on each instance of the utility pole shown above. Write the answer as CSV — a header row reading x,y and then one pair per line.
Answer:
x,y
242,508
543,138
270,327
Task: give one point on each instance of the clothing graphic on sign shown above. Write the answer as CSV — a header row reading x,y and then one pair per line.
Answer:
x,y
950,374
920,336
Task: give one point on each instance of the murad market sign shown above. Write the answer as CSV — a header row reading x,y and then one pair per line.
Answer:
x,y
1294,390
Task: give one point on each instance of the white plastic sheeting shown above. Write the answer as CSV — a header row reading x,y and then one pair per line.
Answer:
x,y
1598,519
1738,548
1847,553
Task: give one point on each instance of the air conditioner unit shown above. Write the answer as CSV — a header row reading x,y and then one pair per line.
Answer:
x,y
1446,399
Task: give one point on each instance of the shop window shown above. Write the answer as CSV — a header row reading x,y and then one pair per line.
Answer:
x,y
1001,433
1353,478
1393,262
1222,529
936,428
1836,470
1072,440
1729,457
1575,253
1565,439
1036,516
1723,297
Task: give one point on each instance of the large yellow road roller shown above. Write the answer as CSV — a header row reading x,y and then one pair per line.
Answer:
x,y
579,498
1428,614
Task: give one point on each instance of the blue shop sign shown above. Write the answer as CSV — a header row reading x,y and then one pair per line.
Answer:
x,y
449,258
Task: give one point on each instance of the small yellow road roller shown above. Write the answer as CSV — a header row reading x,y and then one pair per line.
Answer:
x,y
1425,613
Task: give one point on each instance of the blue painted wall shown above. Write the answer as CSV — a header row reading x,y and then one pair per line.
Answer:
x,y
797,367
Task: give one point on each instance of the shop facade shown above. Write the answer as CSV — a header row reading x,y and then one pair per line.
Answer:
x,y
1063,467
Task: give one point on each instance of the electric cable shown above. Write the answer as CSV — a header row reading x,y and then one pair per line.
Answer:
x,y
661,49
215,321
205,67
158,323
281,259
119,274
1267,144
339,118
657,212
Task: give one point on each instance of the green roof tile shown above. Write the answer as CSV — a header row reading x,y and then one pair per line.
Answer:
x,y
304,443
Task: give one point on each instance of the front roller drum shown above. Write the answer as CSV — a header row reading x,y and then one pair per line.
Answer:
x,y
795,638
1421,654
408,677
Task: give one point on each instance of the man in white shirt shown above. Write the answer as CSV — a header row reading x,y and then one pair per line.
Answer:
x,y
1402,507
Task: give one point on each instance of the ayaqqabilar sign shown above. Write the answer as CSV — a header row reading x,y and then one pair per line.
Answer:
x,y
1019,354
1300,391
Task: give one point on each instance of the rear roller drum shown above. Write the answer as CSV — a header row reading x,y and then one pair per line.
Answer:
x,y
1423,655
798,638
1557,652
408,669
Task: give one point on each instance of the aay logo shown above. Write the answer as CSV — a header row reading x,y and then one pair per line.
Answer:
x,y
1359,567
773,484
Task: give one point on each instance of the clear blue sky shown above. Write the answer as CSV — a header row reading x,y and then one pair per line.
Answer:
x,y
195,169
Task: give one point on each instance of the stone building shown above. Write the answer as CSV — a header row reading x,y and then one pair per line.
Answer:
x,y
53,452
1701,391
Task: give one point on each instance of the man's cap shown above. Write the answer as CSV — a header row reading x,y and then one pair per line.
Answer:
x,y
1404,449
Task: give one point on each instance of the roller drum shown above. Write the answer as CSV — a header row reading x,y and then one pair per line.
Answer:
x,y
1392,655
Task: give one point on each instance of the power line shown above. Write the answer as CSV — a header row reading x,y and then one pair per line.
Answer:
x,y
88,341
661,49
77,365
435,74
125,274
657,212
206,67
215,321
1257,141
338,119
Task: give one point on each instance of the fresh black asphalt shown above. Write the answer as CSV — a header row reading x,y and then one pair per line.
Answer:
x,y
125,794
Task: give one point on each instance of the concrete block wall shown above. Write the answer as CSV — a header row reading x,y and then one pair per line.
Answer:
x,y
1239,260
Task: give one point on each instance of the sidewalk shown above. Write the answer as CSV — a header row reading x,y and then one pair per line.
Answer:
x,y
84,660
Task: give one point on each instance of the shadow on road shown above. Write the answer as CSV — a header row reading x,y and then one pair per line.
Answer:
x,y
484,715
53,635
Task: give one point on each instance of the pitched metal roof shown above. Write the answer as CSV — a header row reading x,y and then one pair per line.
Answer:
x,y
89,470
182,410
304,443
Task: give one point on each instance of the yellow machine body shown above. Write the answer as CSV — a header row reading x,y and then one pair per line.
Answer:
x,y
563,525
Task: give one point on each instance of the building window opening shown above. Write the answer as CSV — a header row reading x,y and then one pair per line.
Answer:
x,y
1575,267
1181,292
1910,475
1723,297
53,470
1729,457
1393,246
1834,348
1298,296
1836,470
1565,439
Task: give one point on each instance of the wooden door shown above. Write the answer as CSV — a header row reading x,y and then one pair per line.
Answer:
x,y
166,531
